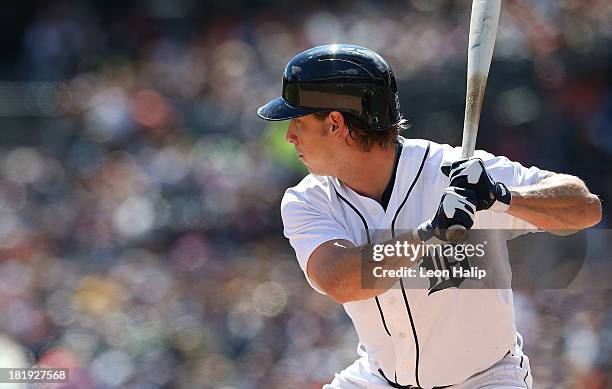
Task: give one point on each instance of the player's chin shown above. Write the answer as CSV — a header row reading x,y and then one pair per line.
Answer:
x,y
312,169
303,161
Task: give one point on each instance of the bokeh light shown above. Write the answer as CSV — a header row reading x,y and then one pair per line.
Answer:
x,y
140,234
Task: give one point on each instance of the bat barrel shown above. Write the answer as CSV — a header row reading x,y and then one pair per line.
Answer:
x,y
483,29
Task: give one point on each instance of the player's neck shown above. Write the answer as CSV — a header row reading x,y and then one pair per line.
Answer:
x,y
368,173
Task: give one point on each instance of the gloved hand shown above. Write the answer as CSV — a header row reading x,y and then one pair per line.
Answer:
x,y
471,174
455,212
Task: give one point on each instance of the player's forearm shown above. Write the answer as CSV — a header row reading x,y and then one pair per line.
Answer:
x,y
559,202
351,274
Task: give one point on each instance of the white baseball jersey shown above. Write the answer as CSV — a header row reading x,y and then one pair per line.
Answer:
x,y
412,337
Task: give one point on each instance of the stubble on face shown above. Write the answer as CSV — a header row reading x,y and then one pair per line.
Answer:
x,y
318,158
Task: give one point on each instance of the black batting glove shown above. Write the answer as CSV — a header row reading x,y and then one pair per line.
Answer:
x,y
455,212
471,174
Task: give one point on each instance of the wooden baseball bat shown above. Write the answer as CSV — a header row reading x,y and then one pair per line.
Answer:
x,y
483,29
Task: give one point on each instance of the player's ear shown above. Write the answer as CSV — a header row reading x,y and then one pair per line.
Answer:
x,y
336,122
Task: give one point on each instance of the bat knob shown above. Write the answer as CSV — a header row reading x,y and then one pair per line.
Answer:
x,y
456,234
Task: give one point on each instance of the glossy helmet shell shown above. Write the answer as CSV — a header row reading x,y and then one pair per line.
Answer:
x,y
344,78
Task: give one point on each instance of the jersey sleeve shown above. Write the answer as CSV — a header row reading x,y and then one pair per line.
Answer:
x,y
307,226
513,174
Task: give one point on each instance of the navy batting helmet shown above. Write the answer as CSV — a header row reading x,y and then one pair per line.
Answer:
x,y
343,78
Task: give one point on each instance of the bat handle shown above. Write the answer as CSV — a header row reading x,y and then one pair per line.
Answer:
x,y
456,234
473,106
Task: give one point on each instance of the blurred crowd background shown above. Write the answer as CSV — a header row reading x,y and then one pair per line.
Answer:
x,y
140,237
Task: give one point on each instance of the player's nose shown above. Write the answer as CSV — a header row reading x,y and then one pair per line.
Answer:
x,y
290,135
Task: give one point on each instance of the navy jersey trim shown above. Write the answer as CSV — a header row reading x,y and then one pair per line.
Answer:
x,y
526,375
365,224
394,384
386,196
416,340
398,386
410,189
382,316
414,333
363,220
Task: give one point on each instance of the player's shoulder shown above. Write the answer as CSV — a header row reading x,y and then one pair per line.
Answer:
x,y
312,190
437,153
418,146
433,154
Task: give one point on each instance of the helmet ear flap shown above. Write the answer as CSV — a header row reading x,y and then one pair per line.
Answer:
x,y
366,102
371,107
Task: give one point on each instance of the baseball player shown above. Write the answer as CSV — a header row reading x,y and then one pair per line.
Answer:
x,y
365,178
